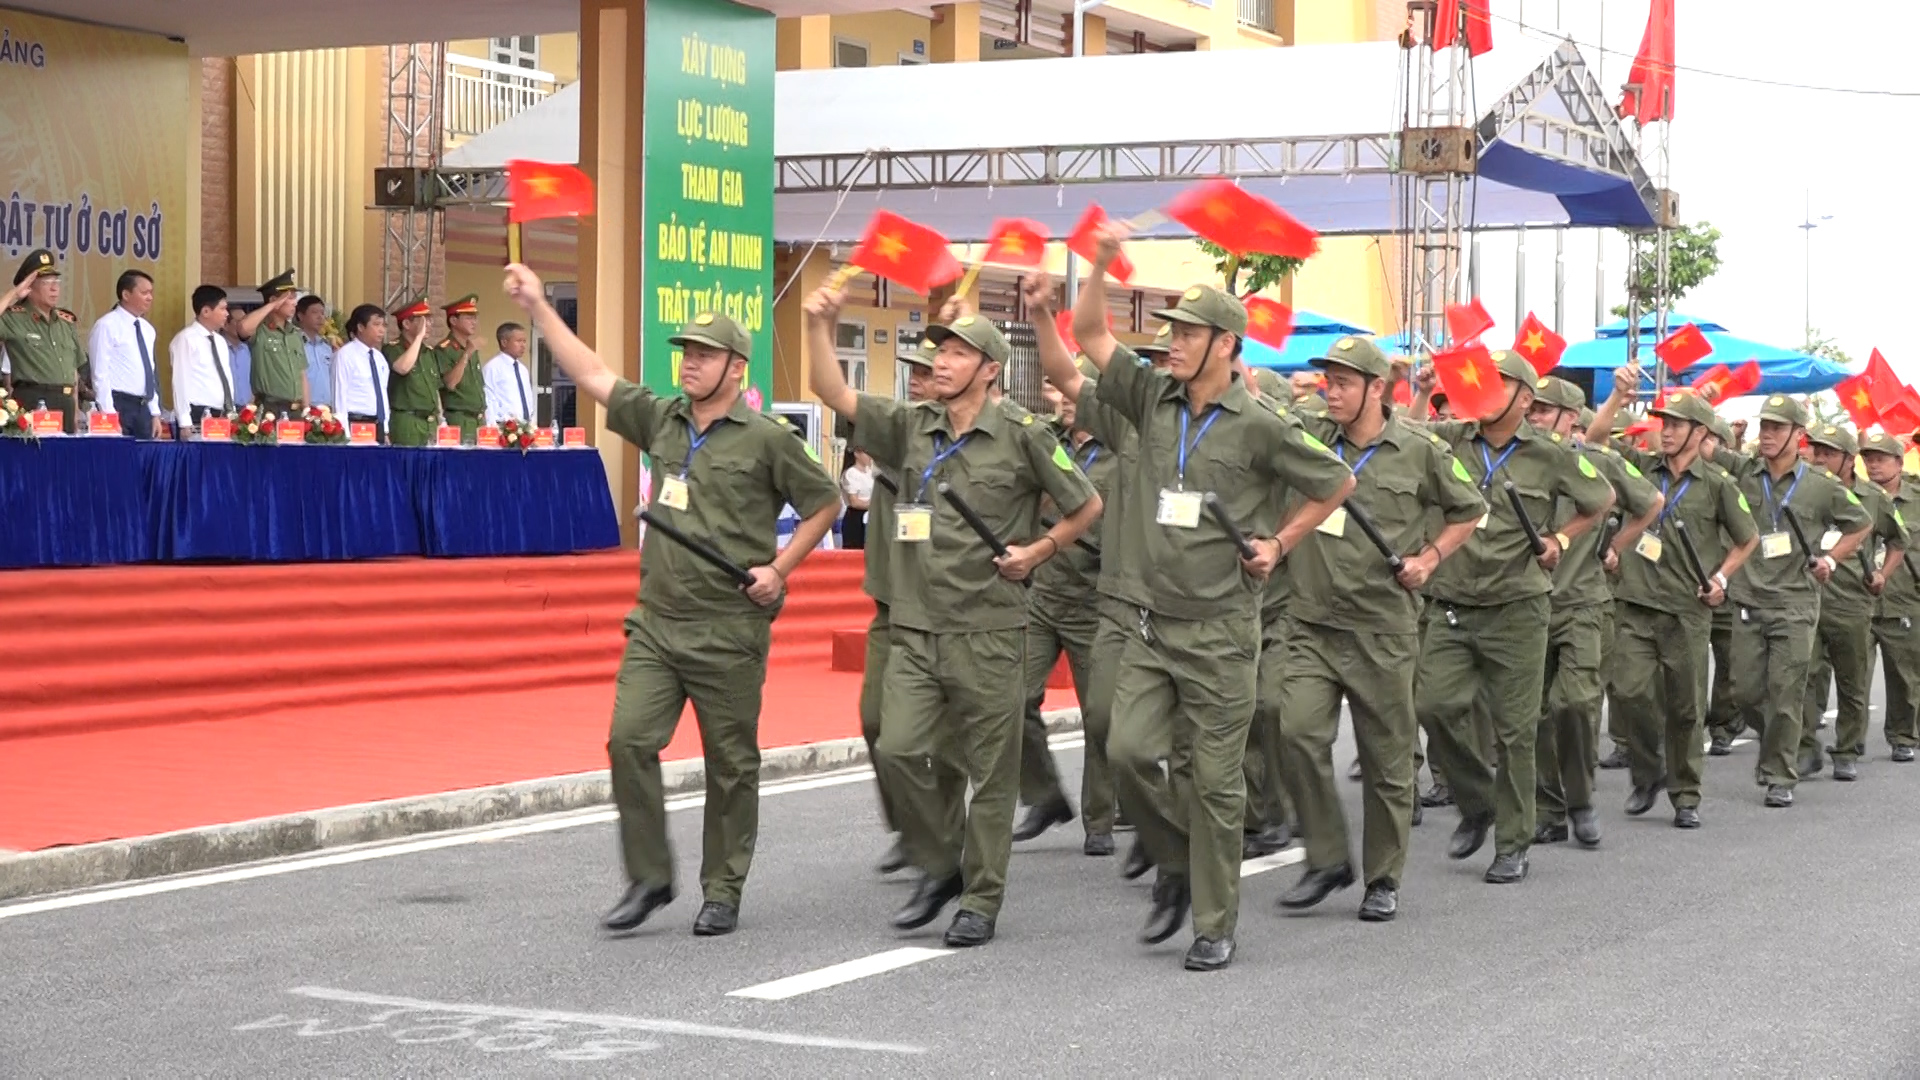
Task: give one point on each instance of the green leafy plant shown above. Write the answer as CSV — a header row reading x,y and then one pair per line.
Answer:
x,y
1693,256
1248,274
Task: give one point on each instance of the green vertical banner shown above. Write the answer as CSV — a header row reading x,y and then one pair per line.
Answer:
x,y
707,200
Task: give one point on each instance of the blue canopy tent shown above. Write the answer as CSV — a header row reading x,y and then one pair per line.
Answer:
x,y
1312,336
1782,371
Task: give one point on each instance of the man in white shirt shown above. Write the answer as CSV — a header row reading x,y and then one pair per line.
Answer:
x,y
360,368
310,315
122,346
202,371
509,389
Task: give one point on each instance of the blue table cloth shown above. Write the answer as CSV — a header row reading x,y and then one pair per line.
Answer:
x,y
102,501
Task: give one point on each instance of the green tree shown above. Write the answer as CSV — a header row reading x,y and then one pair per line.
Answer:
x,y
1693,256
1824,347
1249,274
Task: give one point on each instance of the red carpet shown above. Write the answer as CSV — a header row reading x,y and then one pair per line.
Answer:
x,y
147,699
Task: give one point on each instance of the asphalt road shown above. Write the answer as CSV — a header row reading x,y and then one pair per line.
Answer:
x,y
1770,942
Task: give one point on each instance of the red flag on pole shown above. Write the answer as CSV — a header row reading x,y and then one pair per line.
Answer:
x,y
1882,383
538,190
1017,242
909,255
1713,384
1649,92
1857,400
1268,321
1241,221
1471,381
1539,344
1683,347
1083,244
1466,322
1478,25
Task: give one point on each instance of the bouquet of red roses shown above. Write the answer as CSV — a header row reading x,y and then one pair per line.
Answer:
x,y
515,435
15,421
324,428
253,426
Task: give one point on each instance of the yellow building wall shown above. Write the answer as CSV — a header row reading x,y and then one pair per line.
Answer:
x,y
559,54
886,34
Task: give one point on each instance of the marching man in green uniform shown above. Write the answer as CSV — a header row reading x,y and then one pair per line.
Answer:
x,y
1843,643
1894,620
1188,672
413,390
1354,630
279,349
1582,624
463,386
722,472
956,672
42,344
1268,828
1717,448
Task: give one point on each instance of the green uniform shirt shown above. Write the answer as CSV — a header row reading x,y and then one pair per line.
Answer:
x,y
1071,574
1110,429
1717,518
1580,579
1901,598
1775,575
1846,592
1497,565
279,361
948,582
418,391
470,393
1237,450
747,467
879,537
1405,480
1279,588
42,350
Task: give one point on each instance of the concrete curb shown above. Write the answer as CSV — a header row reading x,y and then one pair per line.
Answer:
x,y
111,862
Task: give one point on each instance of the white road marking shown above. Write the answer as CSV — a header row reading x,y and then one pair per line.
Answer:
x,y
834,975
1275,861
606,1020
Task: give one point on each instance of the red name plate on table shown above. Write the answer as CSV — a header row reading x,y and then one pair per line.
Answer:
x,y
290,431
103,423
47,422
363,434
543,437
449,435
488,438
575,436
216,429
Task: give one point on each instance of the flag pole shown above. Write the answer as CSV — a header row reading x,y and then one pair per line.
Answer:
x,y
513,242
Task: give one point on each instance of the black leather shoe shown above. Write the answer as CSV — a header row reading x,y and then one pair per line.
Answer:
x,y
1382,903
1550,833
1903,754
1137,861
1722,746
932,895
1845,770
715,919
1778,796
1586,826
1642,798
636,906
1468,836
1098,844
1616,760
1812,764
1437,795
1507,869
1041,818
970,929
1266,842
1686,817
895,860
1171,900
1209,954
1315,886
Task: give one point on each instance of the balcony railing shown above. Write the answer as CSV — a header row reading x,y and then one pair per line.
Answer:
x,y
481,94
1259,14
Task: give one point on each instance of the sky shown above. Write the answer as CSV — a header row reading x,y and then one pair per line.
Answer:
x,y
1748,158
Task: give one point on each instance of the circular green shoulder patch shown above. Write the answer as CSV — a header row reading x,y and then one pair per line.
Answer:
x,y
1743,503
1061,460
1460,472
1587,470
1632,469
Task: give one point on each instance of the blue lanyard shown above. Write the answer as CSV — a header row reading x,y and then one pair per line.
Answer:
x,y
695,440
1666,482
1340,448
940,454
1093,455
1773,506
1189,447
1487,459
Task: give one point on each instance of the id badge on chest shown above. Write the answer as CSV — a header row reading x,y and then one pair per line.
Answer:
x,y
673,492
1335,524
1179,509
912,523
1648,547
1776,544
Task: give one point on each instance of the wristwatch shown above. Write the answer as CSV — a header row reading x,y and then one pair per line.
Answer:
x,y
1720,579
1561,539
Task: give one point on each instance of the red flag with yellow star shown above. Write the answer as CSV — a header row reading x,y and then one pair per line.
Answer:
x,y
1017,242
1882,383
1539,344
1466,322
538,190
909,255
1471,381
1268,321
1683,347
1241,221
1083,244
1857,399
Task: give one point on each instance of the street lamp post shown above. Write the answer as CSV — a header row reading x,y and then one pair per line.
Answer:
x,y
1807,224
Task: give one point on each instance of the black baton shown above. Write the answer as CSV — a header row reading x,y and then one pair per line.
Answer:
x,y
886,481
1219,512
1360,517
1693,557
1866,563
1793,522
1079,541
978,524
1520,509
1607,532
698,547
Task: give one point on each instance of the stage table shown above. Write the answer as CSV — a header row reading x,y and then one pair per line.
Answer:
x,y
81,501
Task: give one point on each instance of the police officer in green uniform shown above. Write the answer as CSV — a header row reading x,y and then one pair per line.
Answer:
x,y
1843,641
1777,594
1353,631
1489,614
1617,723
1268,828
1190,668
43,346
463,390
1582,624
279,349
956,673
1894,619
413,392
722,473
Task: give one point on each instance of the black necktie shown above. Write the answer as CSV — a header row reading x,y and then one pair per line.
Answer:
x,y
519,383
146,359
226,385
379,392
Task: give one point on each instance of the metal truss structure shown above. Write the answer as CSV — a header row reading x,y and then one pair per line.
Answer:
x,y
1438,160
412,140
1648,259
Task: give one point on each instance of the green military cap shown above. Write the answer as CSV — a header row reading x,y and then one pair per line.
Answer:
x,y
37,264
1270,384
1558,393
975,331
1586,418
1310,405
1162,342
1204,305
1622,420
1721,430
716,330
920,355
1882,443
1833,437
1686,406
1357,353
1782,409
282,283
1514,366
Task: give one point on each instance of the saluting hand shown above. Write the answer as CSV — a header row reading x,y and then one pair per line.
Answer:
x,y
1021,560
1266,556
523,285
767,585
419,332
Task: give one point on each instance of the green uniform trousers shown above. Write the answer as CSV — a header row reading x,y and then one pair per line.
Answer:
x,y
468,423
1842,657
1720,711
1899,642
1184,696
955,697
411,429
1374,673
1503,650
1772,649
873,679
1619,726
1266,790
1565,756
719,663
1054,628
1660,688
